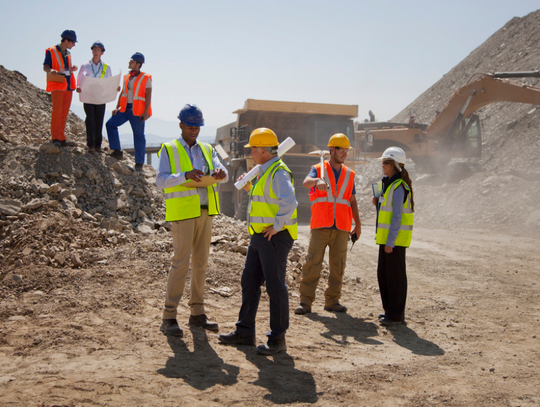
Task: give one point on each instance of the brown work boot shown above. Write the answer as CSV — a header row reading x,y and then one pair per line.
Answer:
x,y
202,321
335,308
302,309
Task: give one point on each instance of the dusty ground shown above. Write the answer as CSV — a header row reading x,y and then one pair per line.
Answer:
x,y
471,339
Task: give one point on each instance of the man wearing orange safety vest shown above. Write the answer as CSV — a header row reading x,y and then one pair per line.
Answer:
x,y
134,105
61,84
333,207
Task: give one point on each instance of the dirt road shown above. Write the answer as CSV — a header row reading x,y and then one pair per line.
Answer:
x,y
471,339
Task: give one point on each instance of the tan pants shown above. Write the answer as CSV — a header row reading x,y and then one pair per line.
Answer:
x,y
191,238
319,239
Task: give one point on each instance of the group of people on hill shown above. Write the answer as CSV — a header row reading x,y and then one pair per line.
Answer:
x,y
133,105
189,171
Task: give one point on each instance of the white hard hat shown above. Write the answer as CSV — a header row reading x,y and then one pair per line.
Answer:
x,y
394,153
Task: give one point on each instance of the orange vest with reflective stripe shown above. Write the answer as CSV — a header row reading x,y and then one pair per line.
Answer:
x,y
58,65
139,94
334,203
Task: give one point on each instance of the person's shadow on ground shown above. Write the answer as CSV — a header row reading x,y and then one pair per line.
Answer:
x,y
343,327
407,338
202,368
278,374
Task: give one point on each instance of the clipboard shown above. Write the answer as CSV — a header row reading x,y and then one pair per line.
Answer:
x,y
51,77
206,180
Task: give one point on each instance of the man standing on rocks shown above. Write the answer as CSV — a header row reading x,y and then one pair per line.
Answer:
x,y
60,83
190,211
134,105
333,206
273,227
94,68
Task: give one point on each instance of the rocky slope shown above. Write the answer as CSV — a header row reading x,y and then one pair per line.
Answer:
x,y
500,190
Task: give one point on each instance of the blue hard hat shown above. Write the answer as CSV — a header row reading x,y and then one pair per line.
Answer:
x,y
138,57
191,115
69,35
98,44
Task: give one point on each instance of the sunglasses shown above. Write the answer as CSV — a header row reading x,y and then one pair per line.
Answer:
x,y
387,162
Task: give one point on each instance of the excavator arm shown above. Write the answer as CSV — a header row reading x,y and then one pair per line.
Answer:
x,y
471,97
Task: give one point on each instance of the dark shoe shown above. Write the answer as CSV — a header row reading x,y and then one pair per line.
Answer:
x,y
65,143
271,348
302,309
91,150
98,150
335,308
203,322
389,322
118,154
235,339
56,142
170,327
138,167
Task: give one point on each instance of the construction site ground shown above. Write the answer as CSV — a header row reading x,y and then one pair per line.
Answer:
x,y
471,338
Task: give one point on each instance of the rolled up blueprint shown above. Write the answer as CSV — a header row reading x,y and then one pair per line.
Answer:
x,y
285,146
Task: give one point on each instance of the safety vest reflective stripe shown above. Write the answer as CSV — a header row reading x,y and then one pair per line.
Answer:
x,y
184,202
137,90
264,204
333,206
59,59
103,71
386,213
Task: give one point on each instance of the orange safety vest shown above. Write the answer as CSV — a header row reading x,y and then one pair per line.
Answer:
x,y
335,202
139,94
58,65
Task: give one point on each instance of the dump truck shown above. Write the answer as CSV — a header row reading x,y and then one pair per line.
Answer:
x,y
310,125
455,132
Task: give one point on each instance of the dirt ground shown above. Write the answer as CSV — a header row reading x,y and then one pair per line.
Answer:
x,y
471,338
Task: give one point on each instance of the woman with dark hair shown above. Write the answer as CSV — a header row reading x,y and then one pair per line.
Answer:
x,y
395,206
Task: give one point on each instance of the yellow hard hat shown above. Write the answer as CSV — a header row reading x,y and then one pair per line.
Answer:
x,y
339,140
262,137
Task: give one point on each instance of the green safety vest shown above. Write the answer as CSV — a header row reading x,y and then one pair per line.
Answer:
x,y
182,202
384,219
263,203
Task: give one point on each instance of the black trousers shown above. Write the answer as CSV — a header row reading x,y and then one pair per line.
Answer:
x,y
266,261
392,277
94,124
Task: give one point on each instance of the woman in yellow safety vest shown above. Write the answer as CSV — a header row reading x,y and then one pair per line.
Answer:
x,y
395,206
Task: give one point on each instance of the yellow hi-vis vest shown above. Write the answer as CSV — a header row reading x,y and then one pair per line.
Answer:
x,y
384,219
181,202
263,203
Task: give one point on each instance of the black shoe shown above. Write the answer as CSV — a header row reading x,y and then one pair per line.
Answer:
x,y
56,142
271,348
118,154
98,150
203,322
91,150
302,309
235,339
138,167
335,308
389,322
170,327
65,143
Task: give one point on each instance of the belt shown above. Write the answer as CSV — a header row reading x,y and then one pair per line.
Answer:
x,y
204,207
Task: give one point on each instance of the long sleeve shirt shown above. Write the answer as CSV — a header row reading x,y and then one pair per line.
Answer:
x,y
165,179
284,190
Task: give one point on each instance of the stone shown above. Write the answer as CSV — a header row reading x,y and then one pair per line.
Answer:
x,y
144,229
49,148
35,204
10,206
121,168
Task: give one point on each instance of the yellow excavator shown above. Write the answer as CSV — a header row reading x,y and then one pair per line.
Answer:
x,y
455,132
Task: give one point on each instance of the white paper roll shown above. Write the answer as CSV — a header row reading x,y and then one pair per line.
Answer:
x,y
285,146
249,176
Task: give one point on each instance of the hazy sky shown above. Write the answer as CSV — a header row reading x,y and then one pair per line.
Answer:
x,y
379,55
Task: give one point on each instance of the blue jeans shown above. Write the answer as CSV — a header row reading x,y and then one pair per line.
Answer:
x,y
266,261
137,125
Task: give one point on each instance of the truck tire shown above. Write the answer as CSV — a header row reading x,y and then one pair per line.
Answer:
x,y
241,198
226,203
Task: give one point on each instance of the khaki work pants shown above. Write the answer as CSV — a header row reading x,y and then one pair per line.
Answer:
x,y
319,239
191,238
